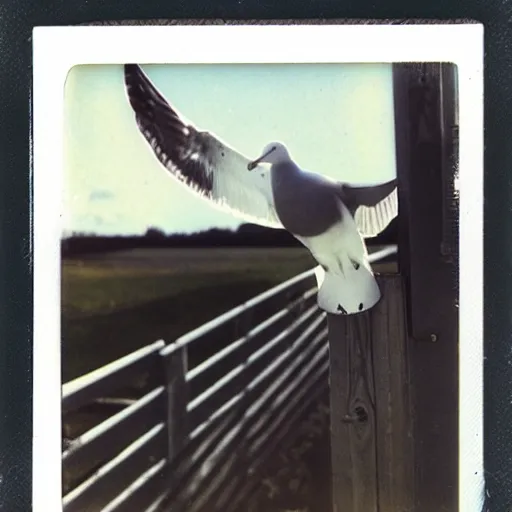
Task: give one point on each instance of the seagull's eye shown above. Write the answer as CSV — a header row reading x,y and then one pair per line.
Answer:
x,y
274,148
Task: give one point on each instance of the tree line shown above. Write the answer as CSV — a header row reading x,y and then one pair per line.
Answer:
x,y
247,235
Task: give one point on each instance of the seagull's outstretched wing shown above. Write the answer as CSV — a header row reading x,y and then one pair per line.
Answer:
x,y
197,158
373,207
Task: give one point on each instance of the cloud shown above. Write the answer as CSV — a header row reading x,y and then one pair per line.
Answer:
x,y
101,195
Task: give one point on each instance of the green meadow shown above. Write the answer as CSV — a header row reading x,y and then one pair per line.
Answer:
x,y
117,302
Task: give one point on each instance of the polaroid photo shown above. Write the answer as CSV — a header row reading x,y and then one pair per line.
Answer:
x,y
258,268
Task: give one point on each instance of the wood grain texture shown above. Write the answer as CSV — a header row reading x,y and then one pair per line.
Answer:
x,y
372,459
394,428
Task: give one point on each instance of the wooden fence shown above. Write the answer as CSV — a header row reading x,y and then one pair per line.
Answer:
x,y
217,403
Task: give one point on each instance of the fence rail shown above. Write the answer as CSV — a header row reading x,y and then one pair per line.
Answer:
x,y
220,399
106,379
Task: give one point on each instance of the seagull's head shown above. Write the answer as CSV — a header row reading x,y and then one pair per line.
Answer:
x,y
273,153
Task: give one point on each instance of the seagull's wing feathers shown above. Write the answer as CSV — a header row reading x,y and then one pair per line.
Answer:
x,y
373,207
197,158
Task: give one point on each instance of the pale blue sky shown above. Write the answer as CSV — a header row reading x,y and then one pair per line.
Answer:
x,y
336,119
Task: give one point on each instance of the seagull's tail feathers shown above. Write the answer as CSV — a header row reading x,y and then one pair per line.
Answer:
x,y
351,292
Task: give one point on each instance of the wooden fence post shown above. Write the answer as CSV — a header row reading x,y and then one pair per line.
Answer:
x,y
177,399
371,424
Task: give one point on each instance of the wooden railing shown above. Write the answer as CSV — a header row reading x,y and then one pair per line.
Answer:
x,y
118,449
218,402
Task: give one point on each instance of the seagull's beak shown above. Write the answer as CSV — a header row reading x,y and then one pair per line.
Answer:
x,y
254,163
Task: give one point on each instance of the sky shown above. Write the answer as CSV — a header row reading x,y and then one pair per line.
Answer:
x,y
335,119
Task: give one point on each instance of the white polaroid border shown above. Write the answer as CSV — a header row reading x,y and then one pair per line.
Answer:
x,y
57,49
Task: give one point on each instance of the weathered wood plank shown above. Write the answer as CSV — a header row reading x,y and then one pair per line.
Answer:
x,y
430,277
177,427
394,435
177,399
370,407
339,380
354,464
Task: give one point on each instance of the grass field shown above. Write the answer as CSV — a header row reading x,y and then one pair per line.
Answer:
x,y
115,303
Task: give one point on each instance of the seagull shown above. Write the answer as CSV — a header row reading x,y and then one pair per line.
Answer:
x,y
329,217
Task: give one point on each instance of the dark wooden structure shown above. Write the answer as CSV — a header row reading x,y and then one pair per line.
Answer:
x,y
370,407
394,370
